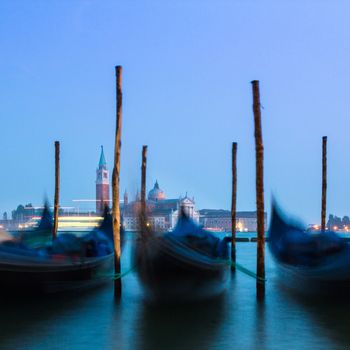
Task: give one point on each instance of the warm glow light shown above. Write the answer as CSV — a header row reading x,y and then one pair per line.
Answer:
x,y
73,218
239,226
80,218
316,227
79,221
69,221
335,228
77,224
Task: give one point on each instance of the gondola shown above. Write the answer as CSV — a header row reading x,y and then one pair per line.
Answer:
x,y
309,262
30,264
186,264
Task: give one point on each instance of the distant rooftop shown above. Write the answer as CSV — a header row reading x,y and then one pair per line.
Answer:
x,y
227,213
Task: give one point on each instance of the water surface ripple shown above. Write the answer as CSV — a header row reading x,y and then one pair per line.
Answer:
x,y
92,320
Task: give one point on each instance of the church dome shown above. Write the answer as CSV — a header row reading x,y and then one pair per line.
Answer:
x,y
156,194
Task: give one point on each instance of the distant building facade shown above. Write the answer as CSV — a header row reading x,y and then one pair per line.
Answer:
x,y
102,184
162,213
218,219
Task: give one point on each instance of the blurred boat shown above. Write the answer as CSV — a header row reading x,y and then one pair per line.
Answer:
x,y
309,262
186,264
34,263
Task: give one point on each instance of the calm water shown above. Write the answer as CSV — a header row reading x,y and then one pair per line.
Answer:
x,y
94,321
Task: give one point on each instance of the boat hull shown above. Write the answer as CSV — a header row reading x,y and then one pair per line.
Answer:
x,y
172,272
332,277
33,276
309,263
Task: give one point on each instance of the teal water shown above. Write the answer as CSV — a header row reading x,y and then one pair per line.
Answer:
x,y
94,321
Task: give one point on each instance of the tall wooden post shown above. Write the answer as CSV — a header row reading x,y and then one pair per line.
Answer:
x,y
57,189
115,182
143,192
233,205
259,154
324,183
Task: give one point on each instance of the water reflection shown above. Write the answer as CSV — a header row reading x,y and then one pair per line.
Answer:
x,y
21,317
260,325
329,314
53,322
93,320
184,326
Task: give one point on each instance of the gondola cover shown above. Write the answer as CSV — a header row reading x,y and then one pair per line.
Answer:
x,y
186,264
33,262
309,262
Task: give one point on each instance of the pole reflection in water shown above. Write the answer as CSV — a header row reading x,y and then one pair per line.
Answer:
x,y
93,320
180,326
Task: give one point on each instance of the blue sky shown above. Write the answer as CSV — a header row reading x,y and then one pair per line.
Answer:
x,y
187,95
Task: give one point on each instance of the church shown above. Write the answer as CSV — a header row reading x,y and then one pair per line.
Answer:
x,y
162,213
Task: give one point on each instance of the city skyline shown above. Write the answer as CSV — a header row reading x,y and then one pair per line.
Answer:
x,y
187,95
103,196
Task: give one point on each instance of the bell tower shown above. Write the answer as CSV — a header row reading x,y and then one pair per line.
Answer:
x,y
102,185
126,199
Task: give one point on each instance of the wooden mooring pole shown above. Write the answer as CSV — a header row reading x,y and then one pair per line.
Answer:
x,y
143,226
57,189
115,182
233,205
259,160
324,183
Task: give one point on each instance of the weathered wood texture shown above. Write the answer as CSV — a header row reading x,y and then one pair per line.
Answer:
x,y
143,192
259,154
57,189
115,181
324,183
233,205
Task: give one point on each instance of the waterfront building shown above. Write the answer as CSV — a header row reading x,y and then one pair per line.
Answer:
x,y
162,213
219,219
102,184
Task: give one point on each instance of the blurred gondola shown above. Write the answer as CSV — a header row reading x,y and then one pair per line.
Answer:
x,y
186,264
34,263
312,263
